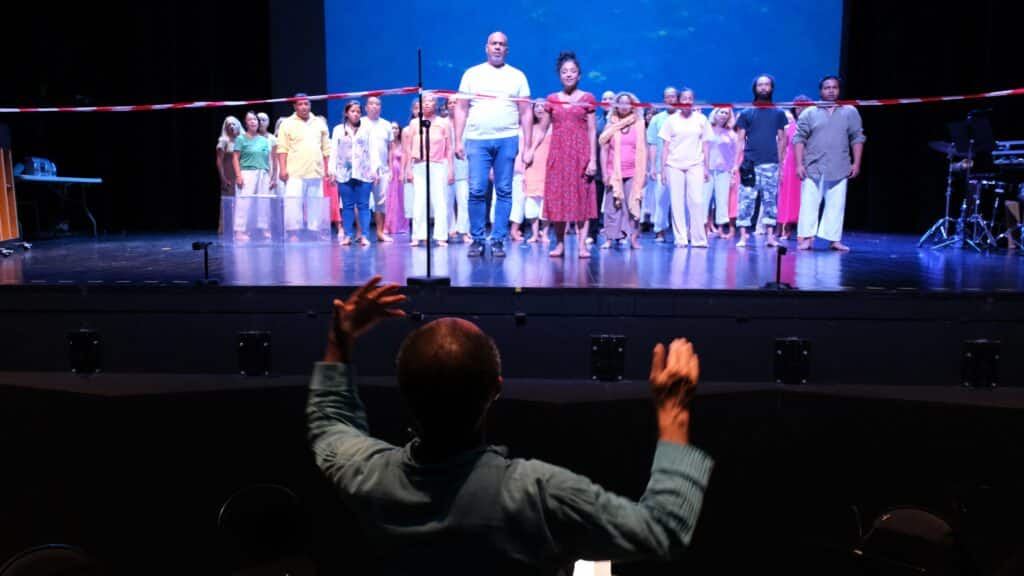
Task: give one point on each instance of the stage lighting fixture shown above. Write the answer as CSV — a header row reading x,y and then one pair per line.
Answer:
x,y
792,361
85,352
980,364
205,247
607,357
254,353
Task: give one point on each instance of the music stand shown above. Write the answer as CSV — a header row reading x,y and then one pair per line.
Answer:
x,y
972,138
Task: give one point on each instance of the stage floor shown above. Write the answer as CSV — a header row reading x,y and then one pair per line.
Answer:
x,y
876,262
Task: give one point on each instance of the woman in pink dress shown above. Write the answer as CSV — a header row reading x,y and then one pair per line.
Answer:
x,y
789,183
624,161
395,221
569,188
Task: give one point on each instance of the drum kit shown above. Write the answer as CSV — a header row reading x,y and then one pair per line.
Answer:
x,y
976,225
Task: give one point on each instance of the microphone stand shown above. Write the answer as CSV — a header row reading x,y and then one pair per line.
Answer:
x,y
424,126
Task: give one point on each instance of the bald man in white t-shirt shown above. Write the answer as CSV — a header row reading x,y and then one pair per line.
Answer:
x,y
487,133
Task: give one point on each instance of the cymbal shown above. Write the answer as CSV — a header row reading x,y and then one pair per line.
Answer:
x,y
947,148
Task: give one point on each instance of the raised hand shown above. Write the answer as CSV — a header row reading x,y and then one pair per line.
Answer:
x,y
674,373
369,304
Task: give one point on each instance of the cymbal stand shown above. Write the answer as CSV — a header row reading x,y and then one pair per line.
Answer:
x,y
960,237
1018,229
939,230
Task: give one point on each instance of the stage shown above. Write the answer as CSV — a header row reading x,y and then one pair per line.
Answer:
x,y
909,310
877,262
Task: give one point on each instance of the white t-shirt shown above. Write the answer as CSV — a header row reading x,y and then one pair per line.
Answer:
x,y
493,118
684,139
380,137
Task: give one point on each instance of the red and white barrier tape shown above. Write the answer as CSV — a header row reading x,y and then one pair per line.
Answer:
x,y
214,104
659,105
462,95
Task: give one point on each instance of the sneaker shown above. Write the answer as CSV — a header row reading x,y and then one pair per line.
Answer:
x,y
476,249
498,250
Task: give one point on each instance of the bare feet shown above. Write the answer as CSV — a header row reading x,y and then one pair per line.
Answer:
x,y
467,239
558,251
584,253
346,241
414,243
839,246
364,241
532,240
804,244
634,243
606,245
771,242
384,238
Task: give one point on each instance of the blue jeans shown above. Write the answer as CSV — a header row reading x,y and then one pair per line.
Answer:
x,y
355,194
483,155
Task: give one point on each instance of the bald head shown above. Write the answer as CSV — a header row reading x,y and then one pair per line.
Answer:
x,y
496,49
449,372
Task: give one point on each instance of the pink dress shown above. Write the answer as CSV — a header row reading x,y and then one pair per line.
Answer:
x,y
569,196
395,221
331,192
734,192
789,184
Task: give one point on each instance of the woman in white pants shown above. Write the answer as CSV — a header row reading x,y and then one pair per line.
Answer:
x,y
436,156
252,162
684,167
458,193
722,165
407,188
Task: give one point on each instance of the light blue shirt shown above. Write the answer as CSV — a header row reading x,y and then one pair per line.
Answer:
x,y
652,135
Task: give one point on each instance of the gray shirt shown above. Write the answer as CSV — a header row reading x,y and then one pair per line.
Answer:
x,y
480,512
827,135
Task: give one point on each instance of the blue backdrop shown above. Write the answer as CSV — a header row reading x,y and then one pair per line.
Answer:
x,y
715,47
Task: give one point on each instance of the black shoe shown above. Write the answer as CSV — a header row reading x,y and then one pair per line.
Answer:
x,y
497,250
476,249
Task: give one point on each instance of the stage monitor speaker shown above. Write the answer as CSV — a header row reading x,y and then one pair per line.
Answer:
x,y
980,367
792,361
254,353
85,352
607,357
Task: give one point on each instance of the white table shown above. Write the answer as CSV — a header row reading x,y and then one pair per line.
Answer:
x,y
65,182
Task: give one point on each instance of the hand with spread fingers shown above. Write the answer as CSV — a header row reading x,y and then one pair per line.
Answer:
x,y
674,376
369,304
